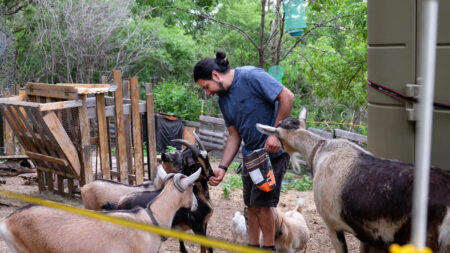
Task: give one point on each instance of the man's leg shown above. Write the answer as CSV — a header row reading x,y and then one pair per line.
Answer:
x,y
253,225
267,224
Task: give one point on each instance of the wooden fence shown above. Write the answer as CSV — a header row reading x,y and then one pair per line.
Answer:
x,y
65,129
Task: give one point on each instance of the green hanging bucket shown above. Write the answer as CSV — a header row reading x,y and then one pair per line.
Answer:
x,y
294,16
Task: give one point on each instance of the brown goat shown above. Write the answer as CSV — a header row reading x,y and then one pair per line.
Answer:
x,y
367,196
39,229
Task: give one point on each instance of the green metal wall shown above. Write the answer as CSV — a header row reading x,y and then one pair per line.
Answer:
x,y
393,38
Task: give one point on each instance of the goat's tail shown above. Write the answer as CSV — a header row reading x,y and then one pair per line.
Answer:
x,y
299,205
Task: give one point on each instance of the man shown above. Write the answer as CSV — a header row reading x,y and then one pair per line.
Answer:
x,y
249,95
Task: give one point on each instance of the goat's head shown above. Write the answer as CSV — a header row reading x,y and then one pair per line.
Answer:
x,y
188,161
183,184
286,130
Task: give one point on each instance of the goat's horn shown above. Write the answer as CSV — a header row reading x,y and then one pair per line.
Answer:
x,y
191,179
191,146
161,172
197,138
302,117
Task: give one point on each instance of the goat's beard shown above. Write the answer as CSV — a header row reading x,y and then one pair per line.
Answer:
x,y
295,162
222,91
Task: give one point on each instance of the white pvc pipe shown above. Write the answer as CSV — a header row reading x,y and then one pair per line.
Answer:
x,y
427,62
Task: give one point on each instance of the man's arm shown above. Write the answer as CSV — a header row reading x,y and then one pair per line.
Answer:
x,y
231,148
285,101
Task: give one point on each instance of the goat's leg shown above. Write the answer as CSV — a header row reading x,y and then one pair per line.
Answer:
x,y
182,247
202,231
365,248
338,240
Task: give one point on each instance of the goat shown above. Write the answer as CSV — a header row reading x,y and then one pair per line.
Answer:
x,y
239,230
39,229
292,233
366,196
99,194
104,194
184,218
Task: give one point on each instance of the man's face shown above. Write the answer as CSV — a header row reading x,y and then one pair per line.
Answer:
x,y
212,87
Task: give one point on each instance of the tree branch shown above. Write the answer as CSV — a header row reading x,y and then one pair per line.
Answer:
x,y
206,16
316,26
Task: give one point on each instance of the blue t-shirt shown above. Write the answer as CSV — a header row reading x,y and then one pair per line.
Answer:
x,y
250,100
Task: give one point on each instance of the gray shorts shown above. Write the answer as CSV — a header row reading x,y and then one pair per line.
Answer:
x,y
253,196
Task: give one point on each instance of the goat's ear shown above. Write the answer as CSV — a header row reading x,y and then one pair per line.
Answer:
x,y
302,117
267,129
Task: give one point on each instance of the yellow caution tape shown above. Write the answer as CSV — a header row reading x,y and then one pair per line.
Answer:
x,y
395,248
203,240
336,123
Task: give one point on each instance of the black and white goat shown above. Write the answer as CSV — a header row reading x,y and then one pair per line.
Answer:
x,y
102,193
367,196
39,229
184,219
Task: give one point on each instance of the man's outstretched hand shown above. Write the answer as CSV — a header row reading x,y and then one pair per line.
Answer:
x,y
219,174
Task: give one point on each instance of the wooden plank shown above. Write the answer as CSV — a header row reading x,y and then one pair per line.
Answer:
x,y
350,136
47,158
120,128
151,136
59,105
21,103
61,185
110,110
214,120
51,90
85,154
9,139
103,136
57,172
49,177
70,187
191,123
128,138
322,133
87,88
63,141
40,178
211,134
15,98
137,139
6,157
188,134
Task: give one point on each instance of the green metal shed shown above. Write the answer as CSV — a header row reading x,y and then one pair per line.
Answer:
x,y
393,38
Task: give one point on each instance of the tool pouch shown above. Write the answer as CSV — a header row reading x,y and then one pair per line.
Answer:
x,y
260,169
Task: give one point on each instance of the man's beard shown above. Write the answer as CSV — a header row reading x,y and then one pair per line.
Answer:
x,y
222,91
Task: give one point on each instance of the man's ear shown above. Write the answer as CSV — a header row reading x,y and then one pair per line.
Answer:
x,y
215,76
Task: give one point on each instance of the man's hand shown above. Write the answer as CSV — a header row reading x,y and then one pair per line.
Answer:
x,y
272,144
219,174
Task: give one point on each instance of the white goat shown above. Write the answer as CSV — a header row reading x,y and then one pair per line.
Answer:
x,y
292,233
39,229
359,193
96,195
239,231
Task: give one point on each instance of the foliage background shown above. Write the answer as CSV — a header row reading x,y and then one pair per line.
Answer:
x,y
159,41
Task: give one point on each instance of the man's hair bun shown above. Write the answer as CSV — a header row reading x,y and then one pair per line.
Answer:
x,y
221,59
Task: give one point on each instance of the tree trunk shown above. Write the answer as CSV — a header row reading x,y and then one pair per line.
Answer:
x,y
7,56
261,34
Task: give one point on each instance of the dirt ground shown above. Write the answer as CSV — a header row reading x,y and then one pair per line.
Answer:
x,y
219,225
